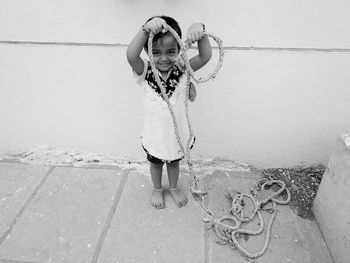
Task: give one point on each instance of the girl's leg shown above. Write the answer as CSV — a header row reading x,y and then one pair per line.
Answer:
x,y
156,174
173,175
157,194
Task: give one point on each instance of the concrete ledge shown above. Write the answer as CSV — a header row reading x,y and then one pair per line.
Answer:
x,y
332,203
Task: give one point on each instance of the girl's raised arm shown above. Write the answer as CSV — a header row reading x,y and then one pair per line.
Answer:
x,y
195,33
134,50
135,47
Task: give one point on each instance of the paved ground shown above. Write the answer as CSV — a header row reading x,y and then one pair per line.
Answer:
x,y
103,214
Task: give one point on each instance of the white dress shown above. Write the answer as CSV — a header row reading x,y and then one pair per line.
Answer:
x,y
158,136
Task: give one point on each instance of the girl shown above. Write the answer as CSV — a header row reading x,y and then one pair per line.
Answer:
x,y
158,137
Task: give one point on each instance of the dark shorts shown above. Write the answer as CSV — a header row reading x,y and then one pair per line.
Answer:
x,y
155,160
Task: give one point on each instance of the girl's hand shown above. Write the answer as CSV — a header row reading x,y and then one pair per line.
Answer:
x,y
155,26
195,32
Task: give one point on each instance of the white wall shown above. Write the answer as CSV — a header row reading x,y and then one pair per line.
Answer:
x,y
270,105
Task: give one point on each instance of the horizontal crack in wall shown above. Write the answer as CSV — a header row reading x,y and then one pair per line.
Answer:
x,y
251,48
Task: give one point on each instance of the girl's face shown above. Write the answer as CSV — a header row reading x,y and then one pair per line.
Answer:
x,y
165,51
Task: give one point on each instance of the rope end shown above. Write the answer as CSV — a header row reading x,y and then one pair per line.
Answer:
x,y
197,194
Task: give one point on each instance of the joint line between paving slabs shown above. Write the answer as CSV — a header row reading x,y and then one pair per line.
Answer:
x,y
26,204
110,215
16,261
205,226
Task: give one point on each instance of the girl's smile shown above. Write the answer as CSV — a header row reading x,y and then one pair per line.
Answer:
x,y
165,51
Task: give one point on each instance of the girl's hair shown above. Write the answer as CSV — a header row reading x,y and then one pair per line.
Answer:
x,y
172,23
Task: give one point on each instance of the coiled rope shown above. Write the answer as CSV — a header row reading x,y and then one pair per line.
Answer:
x,y
230,232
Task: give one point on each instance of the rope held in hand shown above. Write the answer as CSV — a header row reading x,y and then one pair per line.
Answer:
x,y
196,192
230,232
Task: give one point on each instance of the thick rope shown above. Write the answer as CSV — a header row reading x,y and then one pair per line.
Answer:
x,y
189,73
225,232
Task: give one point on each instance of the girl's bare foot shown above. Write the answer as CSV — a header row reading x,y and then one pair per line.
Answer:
x,y
178,196
157,198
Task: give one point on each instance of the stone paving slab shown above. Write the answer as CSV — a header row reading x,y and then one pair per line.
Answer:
x,y
287,244
139,233
104,215
17,183
65,220
332,202
314,241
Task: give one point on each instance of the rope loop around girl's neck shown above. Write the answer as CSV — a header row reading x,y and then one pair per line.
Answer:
x,y
183,54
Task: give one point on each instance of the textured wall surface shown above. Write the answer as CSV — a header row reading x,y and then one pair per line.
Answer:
x,y
280,99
